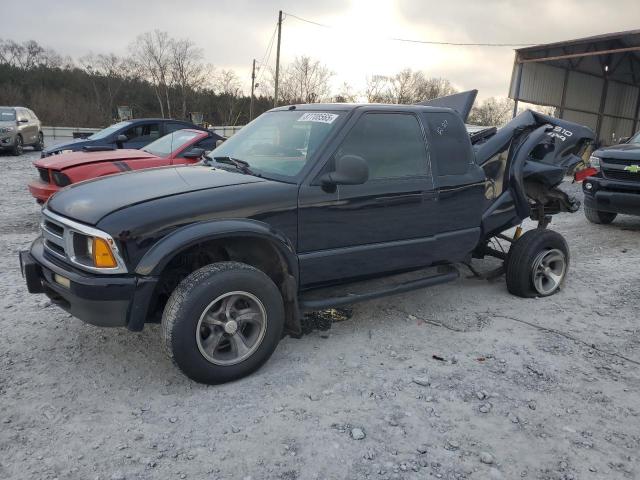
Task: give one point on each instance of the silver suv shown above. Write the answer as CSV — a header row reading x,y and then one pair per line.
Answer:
x,y
19,126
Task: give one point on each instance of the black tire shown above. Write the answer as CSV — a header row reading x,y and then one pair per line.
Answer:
x,y
598,216
39,145
195,295
524,257
18,148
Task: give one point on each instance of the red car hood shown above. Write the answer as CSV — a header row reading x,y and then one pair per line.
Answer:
x,y
73,159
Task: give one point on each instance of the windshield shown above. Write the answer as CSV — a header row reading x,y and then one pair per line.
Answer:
x,y
165,146
108,131
279,142
7,115
635,139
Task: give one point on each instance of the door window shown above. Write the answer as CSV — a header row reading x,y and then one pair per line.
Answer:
x,y
146,132
391,143
172,127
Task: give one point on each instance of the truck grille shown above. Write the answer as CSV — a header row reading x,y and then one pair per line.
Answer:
x,y
44,174
621,175
54,237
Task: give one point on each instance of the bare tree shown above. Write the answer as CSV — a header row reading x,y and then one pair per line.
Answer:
x,y
345,94
29,54
302,81
493,112
108,74
430,88
376,87
152,51
227,85
188,71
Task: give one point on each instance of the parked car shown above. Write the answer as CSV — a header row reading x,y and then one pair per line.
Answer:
x,y
128,134
290,212
19,127
181,147
612,183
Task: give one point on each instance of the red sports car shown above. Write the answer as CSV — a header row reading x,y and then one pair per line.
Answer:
x,y
177,148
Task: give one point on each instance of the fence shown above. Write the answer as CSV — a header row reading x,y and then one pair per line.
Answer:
x,y
68,132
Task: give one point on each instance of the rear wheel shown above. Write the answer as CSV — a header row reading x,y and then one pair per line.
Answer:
x,y
223,322
18,147
537,264
598,216
39,145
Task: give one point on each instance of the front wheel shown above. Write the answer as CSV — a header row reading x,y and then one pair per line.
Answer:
x,y
598,216
223,322
18,147
537,264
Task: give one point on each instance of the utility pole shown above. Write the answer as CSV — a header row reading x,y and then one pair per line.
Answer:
x,y
253,85
275,96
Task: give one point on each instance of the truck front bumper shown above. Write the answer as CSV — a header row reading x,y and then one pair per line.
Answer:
x,y
101,300
613,196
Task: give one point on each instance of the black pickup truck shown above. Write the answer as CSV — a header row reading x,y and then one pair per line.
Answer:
x,y
227,254
614,184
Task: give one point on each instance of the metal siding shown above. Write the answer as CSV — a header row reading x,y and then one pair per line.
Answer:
x,y
587,119
584,92
540,84
618,126
621,100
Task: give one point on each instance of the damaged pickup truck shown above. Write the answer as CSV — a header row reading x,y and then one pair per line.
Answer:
x,y
305,200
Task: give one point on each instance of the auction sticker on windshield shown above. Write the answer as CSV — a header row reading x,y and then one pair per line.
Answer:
x,y
321,117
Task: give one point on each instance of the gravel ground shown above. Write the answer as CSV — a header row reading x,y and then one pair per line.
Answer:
x,y
460,381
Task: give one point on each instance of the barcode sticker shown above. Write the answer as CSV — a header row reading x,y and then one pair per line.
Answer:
x,y
321,117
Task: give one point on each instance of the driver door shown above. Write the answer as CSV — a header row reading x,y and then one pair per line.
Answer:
x,y
382,225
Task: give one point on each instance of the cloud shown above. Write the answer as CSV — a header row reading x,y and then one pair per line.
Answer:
x,y
233,32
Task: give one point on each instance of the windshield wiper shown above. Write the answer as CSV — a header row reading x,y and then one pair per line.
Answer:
x,y
236,162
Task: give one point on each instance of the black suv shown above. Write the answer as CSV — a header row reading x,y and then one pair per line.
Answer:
x,y
614,186
135,134
305,198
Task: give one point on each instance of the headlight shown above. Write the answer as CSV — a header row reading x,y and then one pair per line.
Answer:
x,y
7,129
60,179
95,252
594,161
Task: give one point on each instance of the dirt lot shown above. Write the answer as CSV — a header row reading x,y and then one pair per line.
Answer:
x,y
539,389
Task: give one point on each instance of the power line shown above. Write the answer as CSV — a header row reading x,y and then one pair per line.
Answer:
x,y
267,55
427,42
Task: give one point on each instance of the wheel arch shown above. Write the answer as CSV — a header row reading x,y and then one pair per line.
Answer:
x,y
159,256
248,241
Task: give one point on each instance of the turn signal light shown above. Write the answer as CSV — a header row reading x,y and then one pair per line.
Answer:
x,y
102,254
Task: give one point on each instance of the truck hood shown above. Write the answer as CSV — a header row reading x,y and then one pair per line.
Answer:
x,y
89,201
73,159
626,151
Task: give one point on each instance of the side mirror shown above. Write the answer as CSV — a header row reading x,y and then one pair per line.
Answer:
x,y
350,170
122,138
194,153
623,140
219,142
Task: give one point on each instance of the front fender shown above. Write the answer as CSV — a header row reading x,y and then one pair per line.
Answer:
x,y
157,257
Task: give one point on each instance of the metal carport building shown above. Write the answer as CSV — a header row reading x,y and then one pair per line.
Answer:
x,y
594,81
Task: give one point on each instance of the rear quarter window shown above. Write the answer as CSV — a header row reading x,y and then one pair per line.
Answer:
x,y
449,142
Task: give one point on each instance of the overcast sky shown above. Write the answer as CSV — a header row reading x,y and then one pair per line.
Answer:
x,y
233,32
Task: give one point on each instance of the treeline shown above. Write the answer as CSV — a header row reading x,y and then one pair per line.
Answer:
x,y
166,77
86,92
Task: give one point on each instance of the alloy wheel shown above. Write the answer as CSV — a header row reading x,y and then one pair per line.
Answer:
x,y
231,328
548,271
